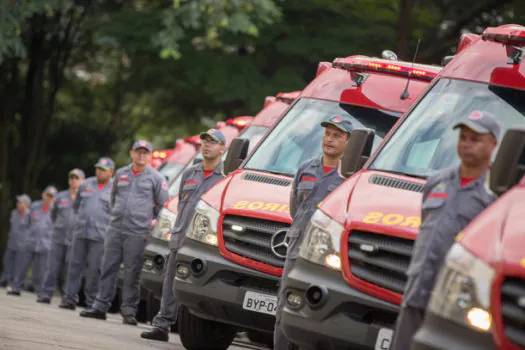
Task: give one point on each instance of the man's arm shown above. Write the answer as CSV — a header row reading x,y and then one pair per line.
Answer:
x,y
76,203
54,210
293,193
114,188
161,194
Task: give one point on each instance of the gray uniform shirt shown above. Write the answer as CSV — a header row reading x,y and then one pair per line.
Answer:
x,y
310,186
136,200
447,208
192,186
92,208
40,229
63,218
18,230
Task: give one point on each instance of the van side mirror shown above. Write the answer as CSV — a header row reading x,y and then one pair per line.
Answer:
x,y
236,154
357,151
509,166
446,60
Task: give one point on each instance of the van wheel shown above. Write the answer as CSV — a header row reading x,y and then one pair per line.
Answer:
x,y
263,338
197,333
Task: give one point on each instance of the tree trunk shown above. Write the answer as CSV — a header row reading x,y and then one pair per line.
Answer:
x,y
403,29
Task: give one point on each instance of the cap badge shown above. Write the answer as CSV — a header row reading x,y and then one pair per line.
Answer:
x,y
211,131
142,143
103,161
336,119
476,115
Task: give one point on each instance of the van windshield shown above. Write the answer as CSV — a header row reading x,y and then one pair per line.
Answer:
x,y
173,189
170,170
298,135
425,141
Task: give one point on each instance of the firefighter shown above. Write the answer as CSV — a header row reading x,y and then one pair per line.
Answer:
x,y
63,218
92,208
34,251
138,194
314,180
196,180
19,225
451,199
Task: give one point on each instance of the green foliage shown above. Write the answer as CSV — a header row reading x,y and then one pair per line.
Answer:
x,y
212,19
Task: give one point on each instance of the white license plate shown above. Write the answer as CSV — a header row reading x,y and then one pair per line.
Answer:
x,y
258,302
384,337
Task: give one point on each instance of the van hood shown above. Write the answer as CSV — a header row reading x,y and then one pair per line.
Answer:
x,y
256,193
378,202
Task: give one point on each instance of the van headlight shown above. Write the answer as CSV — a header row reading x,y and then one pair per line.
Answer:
x,y
462,291
322,240
164,225
203,227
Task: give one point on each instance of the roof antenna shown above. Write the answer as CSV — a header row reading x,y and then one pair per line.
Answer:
x,y
405,94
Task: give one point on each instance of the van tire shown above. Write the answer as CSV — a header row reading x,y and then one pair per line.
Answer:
x,y
262,338
197,333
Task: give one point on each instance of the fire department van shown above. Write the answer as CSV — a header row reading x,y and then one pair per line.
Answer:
x,y
157,250
229,265
345,289
479,298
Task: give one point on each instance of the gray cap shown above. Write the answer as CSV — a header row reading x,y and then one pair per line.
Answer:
x,y
338,122
78,173
51,190
214,134
105,163
142,144
24,198
481,122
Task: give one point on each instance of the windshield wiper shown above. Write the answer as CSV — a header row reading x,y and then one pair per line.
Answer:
x,y
271,172
424,177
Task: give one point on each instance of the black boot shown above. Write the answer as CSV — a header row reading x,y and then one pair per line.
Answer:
x,y
66,306
44,300
12,292
92,313
155,334
129,319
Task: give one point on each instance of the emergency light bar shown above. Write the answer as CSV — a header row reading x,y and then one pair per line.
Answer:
x,y
196,139
362,63
238,122
510,34
159,154
288,97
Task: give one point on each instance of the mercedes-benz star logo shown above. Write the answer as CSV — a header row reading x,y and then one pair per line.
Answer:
x,y
279,244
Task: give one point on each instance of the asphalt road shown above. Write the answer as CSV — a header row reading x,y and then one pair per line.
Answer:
x,y
27,325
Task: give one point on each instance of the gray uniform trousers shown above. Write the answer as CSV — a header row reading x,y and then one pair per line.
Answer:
x,y
121,248
83,250
9,266
23,260
57,270
408,323
280,342
169,306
